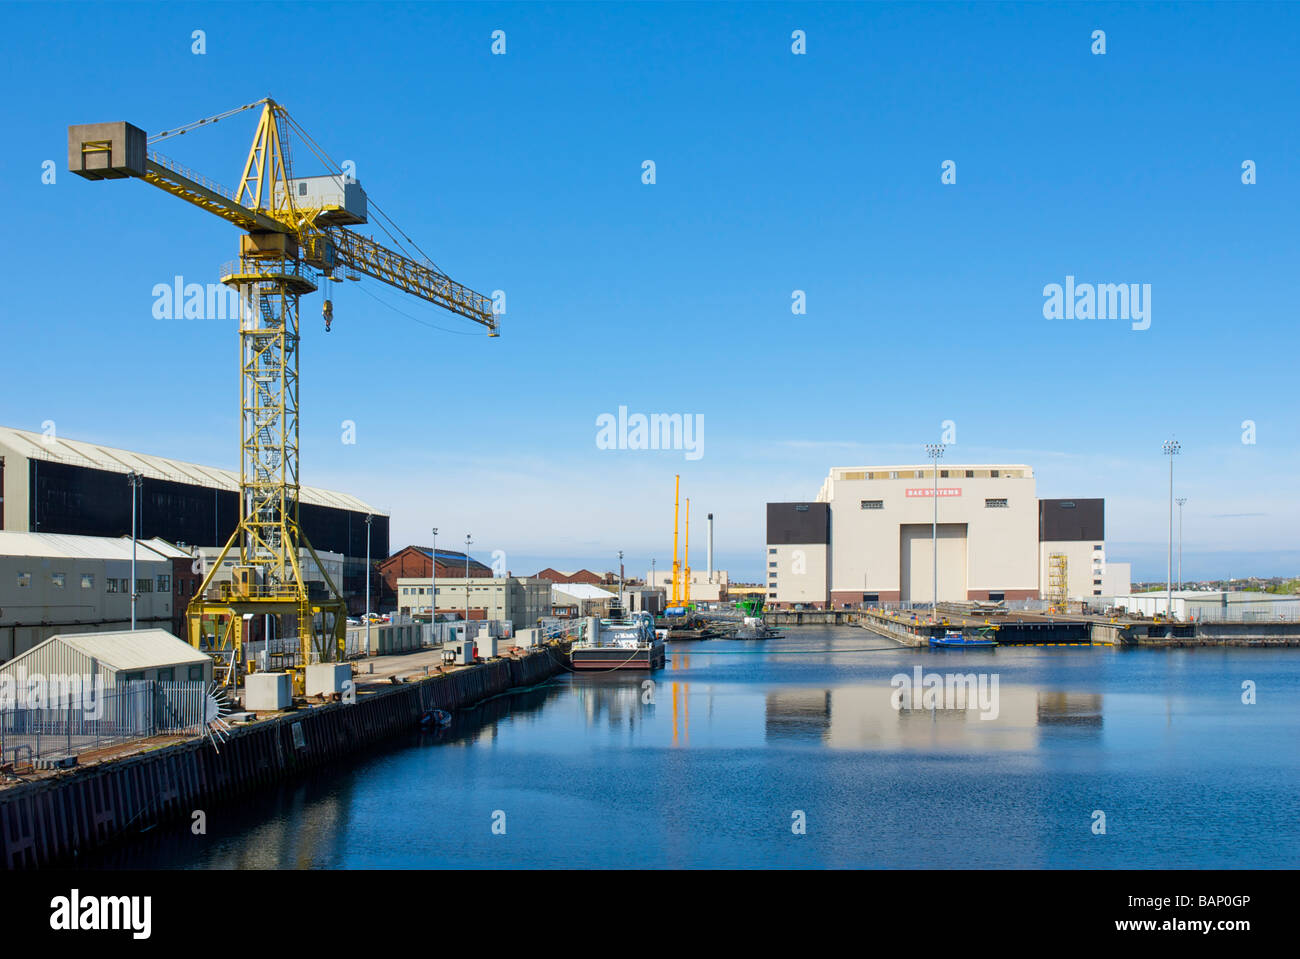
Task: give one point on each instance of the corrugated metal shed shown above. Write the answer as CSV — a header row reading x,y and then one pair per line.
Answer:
x,y
37,446
69,546
124,651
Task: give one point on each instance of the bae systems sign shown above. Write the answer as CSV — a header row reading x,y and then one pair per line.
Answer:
x,y
930,491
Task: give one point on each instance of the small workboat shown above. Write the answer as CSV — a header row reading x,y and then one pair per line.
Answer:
x,y
753,627
619,643
955,638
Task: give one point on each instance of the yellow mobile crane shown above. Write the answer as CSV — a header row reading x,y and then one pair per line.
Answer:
x,y
294,233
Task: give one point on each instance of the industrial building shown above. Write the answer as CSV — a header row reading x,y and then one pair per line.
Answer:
x,y
52,583
413,562
111,657
56,485
706,586
522,600
869,537
1214,606
581,599
571,576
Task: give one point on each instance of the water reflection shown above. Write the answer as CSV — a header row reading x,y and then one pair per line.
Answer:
x,y
863,717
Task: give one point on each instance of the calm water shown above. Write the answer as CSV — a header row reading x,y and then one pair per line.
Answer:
x,y
740,736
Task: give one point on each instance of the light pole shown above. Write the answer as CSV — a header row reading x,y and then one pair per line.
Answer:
x,y
134,479
1171,449
620,579
935,452
433,585
1181,501
468,543
368,519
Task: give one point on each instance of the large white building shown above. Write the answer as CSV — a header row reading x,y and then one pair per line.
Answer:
x,y
870,537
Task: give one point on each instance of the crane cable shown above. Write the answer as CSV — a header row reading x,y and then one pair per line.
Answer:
x,y
178,131
324,157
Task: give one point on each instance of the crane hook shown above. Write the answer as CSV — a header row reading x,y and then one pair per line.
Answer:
x,y
328,312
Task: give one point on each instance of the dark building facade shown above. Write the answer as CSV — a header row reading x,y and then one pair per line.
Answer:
x,y
61,486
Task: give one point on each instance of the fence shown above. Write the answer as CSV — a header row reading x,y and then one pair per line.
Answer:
x,y
99,717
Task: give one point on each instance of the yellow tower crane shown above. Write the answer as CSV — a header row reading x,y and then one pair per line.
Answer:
x,y
294,233
677,490
686,573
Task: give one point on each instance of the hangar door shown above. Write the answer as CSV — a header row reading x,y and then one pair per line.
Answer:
x,y
916,573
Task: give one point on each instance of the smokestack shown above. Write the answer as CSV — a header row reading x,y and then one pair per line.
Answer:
x,y
710,548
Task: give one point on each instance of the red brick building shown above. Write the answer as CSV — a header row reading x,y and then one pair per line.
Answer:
x,y
413,562
571,576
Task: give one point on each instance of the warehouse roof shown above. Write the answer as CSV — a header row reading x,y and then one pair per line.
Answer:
x,y
69,546
125,650
583,591
38,446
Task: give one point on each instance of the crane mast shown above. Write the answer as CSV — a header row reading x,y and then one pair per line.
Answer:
x,y
293,233
686,573
677,489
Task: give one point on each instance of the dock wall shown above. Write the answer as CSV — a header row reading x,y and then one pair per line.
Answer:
x,y
49,822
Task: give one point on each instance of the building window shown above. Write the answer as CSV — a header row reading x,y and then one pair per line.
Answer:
x,y
873,504
871,597
771,552
1096,592
1097,547
1096,582
1067,505
943,474
970,474
772,565
996,597
24,580
144,586
893,474
164,584
995,504
771,595
994,473
58,579
87,580
195,673
110,585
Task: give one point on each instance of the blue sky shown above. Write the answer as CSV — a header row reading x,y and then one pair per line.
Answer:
x,y
774,173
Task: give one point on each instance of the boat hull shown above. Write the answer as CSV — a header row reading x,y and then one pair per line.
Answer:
x,y
605,658
944,643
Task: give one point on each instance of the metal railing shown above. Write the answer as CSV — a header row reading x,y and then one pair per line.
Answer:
x,y
96,718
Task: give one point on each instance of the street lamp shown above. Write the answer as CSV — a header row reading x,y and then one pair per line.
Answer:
x,y
1171,449
935,452
368,519
433,585
468,543
1181,501
135,479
